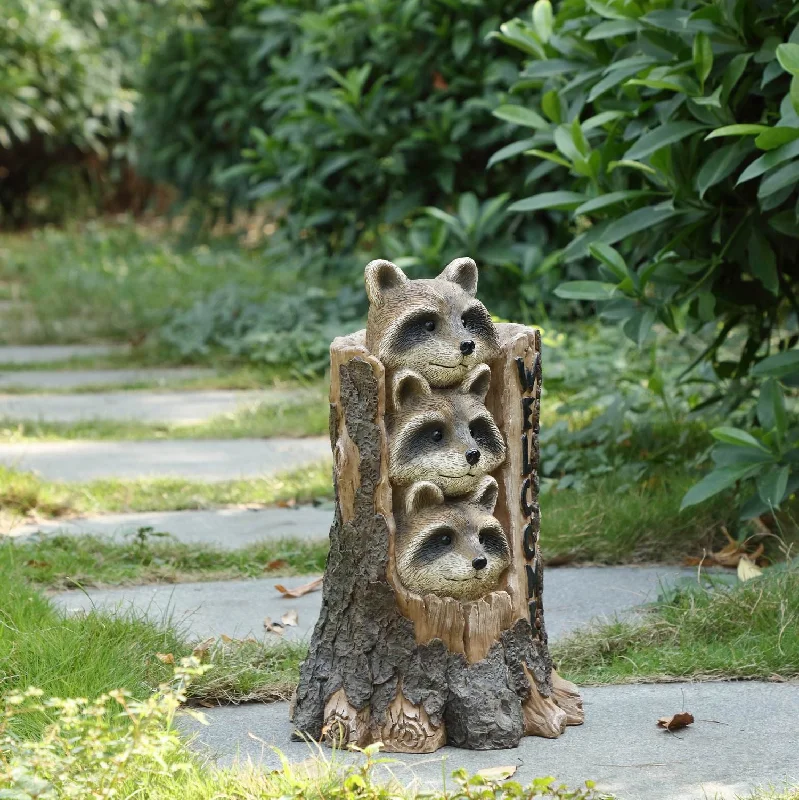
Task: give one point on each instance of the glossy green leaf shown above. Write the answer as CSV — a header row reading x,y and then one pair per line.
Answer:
x,y
625,162
521,116
763,262
549,200
736,436
776,137
610,199
611,258
720,164
779,365
665,135
611,29
784,176
510,150
788,56
549,157
735,69
737,130
550,105
771,408
542,19
771,486
703,56
586,290
716,482
769,161
603,118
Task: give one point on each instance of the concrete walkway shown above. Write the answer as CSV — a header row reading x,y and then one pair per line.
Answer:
x,y
184,408
229,528
573,597
41,354
61,380
206,460
745,736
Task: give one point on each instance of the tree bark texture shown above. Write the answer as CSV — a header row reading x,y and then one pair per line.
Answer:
x,y
417,672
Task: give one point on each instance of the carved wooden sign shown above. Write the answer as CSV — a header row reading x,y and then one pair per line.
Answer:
x,y
432,623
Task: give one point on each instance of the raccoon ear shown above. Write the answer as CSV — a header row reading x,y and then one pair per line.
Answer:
x,y
462,271
423,495
381,277
486,493
406,385
477,382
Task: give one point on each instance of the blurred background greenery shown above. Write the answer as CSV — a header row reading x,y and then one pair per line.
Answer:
x,y
205,179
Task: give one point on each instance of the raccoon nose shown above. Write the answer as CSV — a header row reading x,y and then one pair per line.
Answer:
x,y
479,562
467,348
472,457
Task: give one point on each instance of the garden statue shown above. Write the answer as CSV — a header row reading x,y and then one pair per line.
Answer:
x,y
432,624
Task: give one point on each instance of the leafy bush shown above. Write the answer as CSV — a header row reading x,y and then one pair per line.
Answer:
x,y
672,127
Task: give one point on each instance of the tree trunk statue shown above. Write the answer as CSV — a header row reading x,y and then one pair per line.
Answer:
x,y
432,624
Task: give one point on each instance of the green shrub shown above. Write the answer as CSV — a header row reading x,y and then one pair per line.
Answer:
x,y
671,127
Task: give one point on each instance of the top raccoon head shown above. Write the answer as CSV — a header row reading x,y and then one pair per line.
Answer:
x,y
451,548
436,327
445,436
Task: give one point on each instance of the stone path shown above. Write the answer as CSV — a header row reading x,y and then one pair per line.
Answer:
x,y
207,460
745,736
141,406
228,528
574,595
40,354
77,378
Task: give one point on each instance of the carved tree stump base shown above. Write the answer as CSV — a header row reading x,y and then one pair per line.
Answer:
x,y
419,672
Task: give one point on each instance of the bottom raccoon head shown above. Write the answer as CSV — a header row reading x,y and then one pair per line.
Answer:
x,y
452,548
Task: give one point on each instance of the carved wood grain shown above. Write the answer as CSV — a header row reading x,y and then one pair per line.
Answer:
x,y
567,696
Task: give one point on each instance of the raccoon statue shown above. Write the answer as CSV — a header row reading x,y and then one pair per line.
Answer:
x,y
451,548
443,436
435,327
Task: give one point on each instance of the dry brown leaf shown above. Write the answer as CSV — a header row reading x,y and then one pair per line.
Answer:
x,y
729,556
290,618
497,773
165,658
286,503
748,569
201,650
273,627
225,638
299,591
37,564
676,721
277,563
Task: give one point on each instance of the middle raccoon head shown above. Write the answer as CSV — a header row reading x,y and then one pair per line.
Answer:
x,y
445,436
452,548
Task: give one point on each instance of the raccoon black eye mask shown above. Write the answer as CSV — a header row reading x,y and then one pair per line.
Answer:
x,y
445,436
435,327
451,548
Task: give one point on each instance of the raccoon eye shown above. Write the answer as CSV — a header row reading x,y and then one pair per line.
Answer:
x,y
430,325
445,539
437,435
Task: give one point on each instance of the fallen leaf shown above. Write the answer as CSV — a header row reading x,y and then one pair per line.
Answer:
x,y
37,564
207,704
299,591
277,563
748,569
497,773
273,627
676,721
225,638
286,503
165,658
290,618
439,82
729,556
201,650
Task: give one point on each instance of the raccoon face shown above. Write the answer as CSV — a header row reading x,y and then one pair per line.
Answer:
x,y
435,327
444,436
451,548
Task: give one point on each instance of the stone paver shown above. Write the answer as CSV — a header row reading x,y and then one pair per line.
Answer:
x,y
573,596
207,460
228,528
38,354
76,378
182,408
745,736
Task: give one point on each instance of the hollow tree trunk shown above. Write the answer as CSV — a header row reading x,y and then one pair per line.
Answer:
x,y
419,672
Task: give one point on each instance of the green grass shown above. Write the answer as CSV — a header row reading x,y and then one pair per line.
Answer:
x,y
65,562
87,655
22,493
306,416
744,630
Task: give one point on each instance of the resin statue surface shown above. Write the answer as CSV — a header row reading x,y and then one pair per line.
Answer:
x,y
432,623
